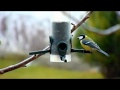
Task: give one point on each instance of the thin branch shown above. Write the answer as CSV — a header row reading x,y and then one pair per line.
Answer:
x,y
103,32
79,22
93,29
82,21
33,57
21,64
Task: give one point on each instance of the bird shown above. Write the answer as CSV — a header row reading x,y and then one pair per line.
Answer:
x,y
88,44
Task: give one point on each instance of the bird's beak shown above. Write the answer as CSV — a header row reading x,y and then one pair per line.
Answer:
x,y
78,37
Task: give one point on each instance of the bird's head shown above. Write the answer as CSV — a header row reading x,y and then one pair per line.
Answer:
x,y
82,36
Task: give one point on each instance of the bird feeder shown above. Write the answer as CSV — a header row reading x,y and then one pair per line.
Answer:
x,y
60,41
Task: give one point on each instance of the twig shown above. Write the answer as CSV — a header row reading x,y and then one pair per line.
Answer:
x,y
102,32
21,64
33,57
81,21
93,29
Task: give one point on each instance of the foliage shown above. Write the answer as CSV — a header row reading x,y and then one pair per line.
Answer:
x,y
109,43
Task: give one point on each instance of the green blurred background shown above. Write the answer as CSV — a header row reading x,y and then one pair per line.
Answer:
x,y
82,66
43,70
103,20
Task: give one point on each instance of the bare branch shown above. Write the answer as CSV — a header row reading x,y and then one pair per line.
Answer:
x,y
93,29
79,22
33,57
82,21
103,32
21,64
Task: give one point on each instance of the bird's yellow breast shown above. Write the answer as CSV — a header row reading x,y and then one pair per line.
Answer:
x,y
86,47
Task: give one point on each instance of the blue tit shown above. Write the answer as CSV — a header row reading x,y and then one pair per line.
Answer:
x,y
88,44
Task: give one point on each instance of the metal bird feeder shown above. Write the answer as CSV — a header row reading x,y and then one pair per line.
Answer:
x,y
60,43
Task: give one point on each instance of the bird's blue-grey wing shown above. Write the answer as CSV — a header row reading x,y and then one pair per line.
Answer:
x,y
91,44
94,46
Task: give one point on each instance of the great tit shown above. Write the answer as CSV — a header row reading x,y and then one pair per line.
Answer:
x,y
88,44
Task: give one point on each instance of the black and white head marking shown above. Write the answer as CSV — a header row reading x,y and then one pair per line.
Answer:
x,y
82,36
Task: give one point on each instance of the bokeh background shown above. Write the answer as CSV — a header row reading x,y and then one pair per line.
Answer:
x,y
25,31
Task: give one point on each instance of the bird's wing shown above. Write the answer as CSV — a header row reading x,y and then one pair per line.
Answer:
x,y
92,44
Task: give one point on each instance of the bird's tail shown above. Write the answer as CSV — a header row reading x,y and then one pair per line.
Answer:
x,y
104,52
